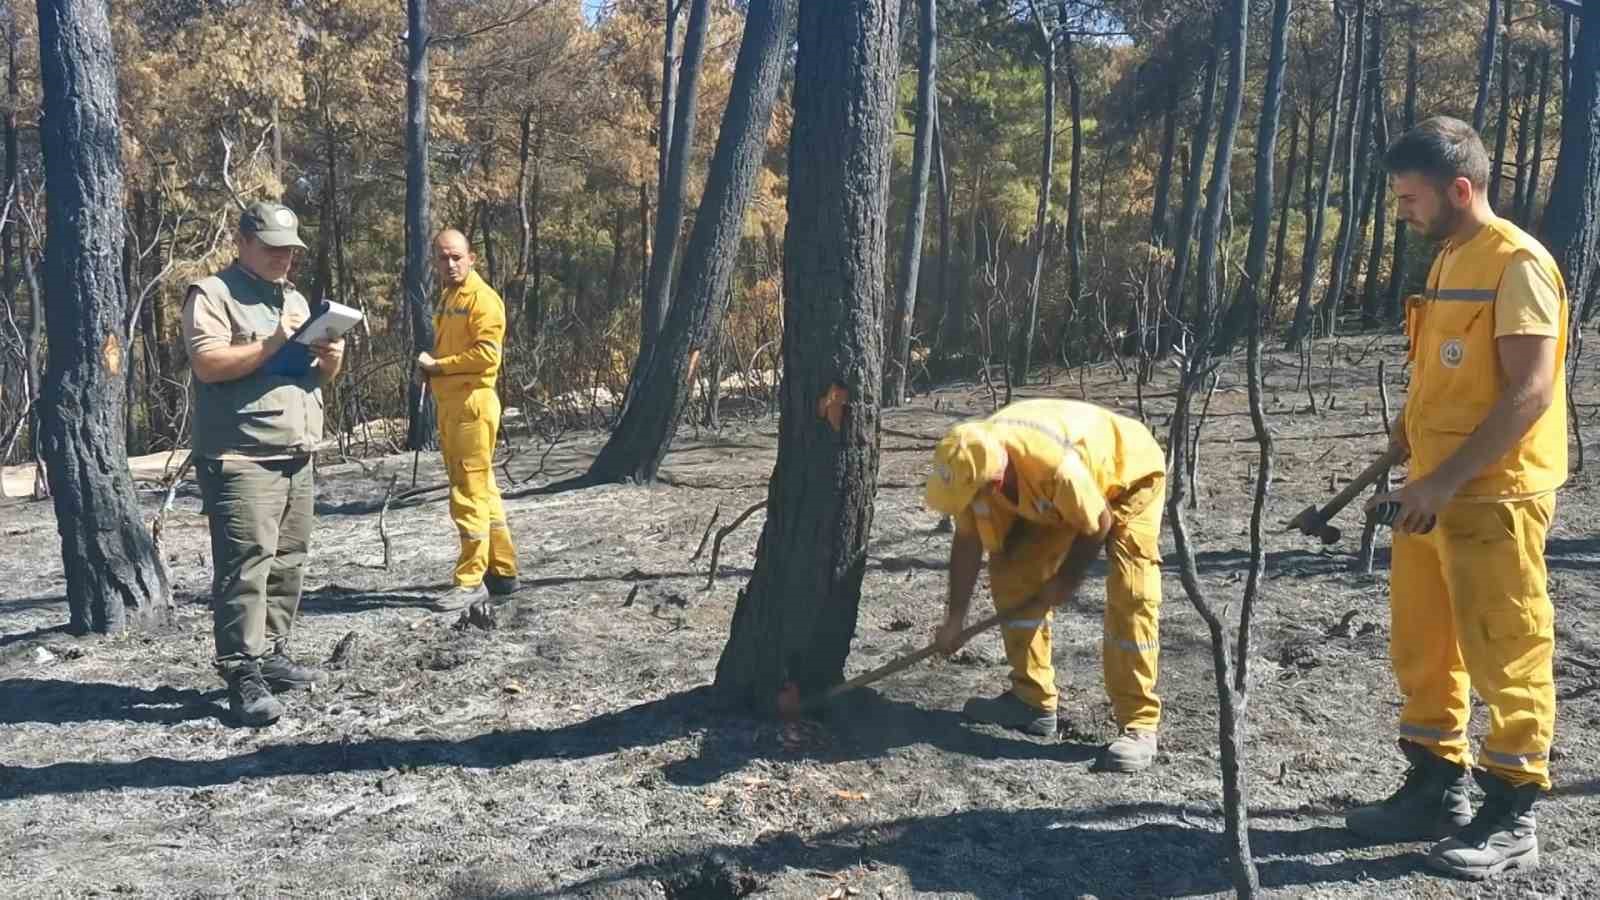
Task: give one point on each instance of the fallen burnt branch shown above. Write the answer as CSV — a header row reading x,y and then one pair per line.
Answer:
x,y
716,546
383,522
715,514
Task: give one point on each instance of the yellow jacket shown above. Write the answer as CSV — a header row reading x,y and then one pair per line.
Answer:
x,y
1072,460
1456,366
469,331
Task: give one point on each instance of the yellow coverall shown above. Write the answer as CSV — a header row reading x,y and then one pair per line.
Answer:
x,y
1072,460
1468,600
469,329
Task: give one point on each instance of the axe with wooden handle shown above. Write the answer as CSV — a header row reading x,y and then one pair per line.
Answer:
x,y
1313,520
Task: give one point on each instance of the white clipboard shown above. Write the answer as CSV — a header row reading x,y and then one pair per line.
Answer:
x,y
330,323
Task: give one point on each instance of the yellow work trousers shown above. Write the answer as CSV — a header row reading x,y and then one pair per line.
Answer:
x,y
468,424
1131,644
1470,610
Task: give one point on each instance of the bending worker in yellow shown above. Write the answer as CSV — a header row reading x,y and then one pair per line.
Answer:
x,y
469,333
1485,424
1042,485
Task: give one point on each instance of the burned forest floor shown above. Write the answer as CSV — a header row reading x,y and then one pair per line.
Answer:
x,y
575,750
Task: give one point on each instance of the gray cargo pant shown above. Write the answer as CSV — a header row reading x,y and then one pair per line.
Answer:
x,y
260,515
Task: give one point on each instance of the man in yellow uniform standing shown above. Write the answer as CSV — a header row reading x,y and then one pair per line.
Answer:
x,y
469,333
1485,424
1042,486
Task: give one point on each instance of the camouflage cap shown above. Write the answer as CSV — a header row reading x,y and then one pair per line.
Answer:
x,y
272,224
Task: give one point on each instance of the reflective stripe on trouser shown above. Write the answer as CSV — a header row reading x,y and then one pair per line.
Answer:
x,y
468,424
260,516
1132,643
1470,611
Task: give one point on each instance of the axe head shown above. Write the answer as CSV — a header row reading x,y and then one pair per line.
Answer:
x,y
1309,522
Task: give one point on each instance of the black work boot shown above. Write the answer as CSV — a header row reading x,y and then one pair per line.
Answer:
x,y
1501,836
1011,711
501,585
284,674
1431,804
249,698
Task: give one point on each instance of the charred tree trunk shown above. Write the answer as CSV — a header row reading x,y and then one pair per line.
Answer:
x,y
670,194
1519,200
670,62
1171,326
615,275
1276,284
1491,30
114,580
1074,190
898,371
422,430
1169,144
795,620
1370,313
1497,173
663,376
1530,199
1397,267
1358,134
1572,216
14,100
1047,52
953,305
1301,328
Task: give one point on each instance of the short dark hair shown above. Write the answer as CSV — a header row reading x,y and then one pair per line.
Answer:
x,y
1443,149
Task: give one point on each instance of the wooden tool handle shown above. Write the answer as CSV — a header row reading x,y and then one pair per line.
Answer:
x,y
1363,481
904,662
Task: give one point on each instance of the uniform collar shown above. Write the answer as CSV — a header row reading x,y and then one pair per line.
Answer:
x,y
469,286
257,280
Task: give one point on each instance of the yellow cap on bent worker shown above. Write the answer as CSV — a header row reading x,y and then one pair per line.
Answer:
x,y
966,459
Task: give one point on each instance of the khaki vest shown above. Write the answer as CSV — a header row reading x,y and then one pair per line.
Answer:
x,y
1455,377
259,414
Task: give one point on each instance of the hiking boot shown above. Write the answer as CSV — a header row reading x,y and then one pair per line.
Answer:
x,y
249,698
501,585
1011,711
284,674
1134,751
1500,837
1432,802
460,597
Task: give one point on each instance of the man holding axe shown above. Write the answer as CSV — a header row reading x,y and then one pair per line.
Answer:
x,y
1042,486
1485,427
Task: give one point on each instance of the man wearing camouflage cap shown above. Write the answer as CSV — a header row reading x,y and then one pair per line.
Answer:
x,y
1042,486
258,420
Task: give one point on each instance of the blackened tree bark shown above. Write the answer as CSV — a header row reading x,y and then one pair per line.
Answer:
x,y
670,193
422,429
1074,189
1497,174
953,305
1397,267
1530,198
1047,54
1380,189
1171,325
663,376
1354,175
1276,282
1519,200
1169,143
898,370
114,580
795,619
1491,30
14,100
1572,216
670,60
1313,246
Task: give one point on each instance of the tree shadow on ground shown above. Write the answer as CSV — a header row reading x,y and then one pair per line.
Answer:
x,y
987,853
860,726
53,702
